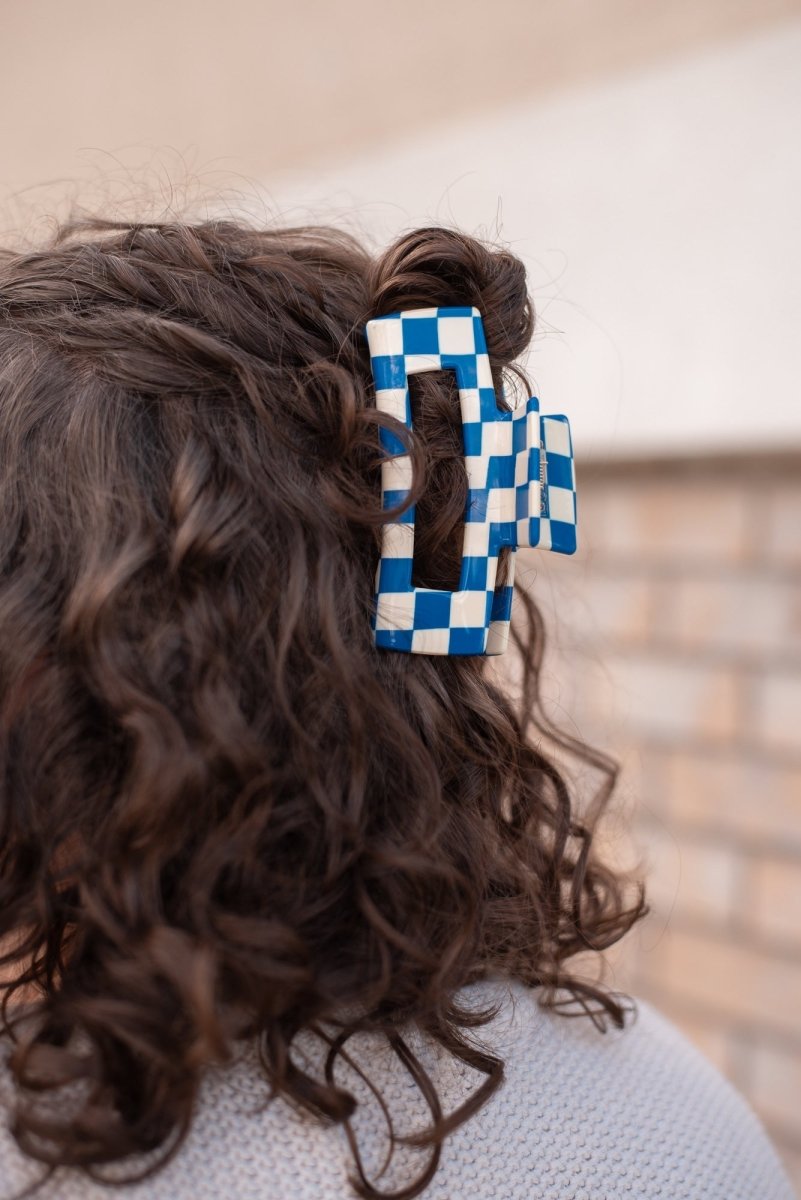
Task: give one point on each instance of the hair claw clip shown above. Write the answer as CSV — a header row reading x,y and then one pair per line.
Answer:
x,y
521,480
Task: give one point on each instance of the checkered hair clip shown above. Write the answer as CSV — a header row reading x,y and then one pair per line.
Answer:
x,y
521,481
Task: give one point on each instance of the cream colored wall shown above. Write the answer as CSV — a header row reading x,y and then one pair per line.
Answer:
x,y
655,207
656,211
247,86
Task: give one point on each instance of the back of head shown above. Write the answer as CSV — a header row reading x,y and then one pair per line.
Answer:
x,y
224,812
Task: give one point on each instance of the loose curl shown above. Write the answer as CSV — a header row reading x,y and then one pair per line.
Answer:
x,y
224,812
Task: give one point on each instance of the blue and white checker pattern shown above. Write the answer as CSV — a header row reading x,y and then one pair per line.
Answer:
x,y
521,482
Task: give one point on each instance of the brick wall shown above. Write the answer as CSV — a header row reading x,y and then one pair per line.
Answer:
x,y
675,643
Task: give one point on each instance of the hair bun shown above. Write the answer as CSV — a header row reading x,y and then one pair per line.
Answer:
x,y
432,267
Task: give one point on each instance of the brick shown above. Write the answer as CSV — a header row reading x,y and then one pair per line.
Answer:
x,y
738,616
711,1041
777,712
613,968
719,973
636,802
620,607
791,1158
773,900
620,849
649,773
616,698
775,1088
586,604
581,694
591,510
780,534
759,804
690,876
715,1041
675,699
676,519
570,683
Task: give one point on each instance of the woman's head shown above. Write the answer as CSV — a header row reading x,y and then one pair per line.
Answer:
x,y
224,812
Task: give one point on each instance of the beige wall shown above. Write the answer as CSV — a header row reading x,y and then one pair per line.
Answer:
x,y
676,642
118,100
656,212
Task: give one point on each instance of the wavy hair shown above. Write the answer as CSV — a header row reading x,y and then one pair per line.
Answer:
x,y
224,813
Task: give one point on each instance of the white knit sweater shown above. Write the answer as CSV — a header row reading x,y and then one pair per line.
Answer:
x,y
581,1115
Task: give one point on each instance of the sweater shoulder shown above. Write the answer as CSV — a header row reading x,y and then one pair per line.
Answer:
x,y
579,1114
642,1100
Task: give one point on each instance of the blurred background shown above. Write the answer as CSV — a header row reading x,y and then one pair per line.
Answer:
x,y
644,160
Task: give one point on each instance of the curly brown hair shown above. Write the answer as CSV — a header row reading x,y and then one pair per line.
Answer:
x,y
224,813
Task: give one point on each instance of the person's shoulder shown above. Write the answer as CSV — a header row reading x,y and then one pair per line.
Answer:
x,y
642,1096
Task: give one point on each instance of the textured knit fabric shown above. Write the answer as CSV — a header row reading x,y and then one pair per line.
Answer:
x,y
581,1115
